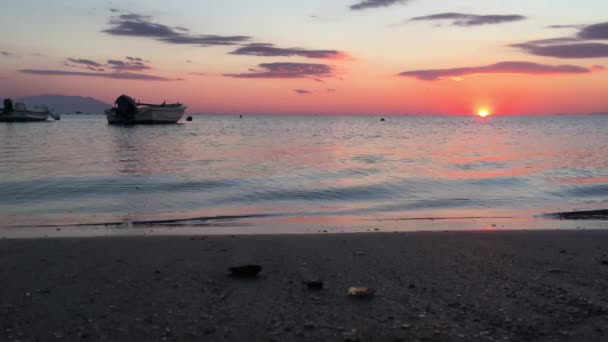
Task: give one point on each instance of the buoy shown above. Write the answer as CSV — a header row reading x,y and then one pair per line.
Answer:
x,y
189,118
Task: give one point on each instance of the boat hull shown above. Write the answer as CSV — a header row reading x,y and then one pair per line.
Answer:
x,y
158,115
24,116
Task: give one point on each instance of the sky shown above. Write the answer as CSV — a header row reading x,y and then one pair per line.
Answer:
x,y
314,56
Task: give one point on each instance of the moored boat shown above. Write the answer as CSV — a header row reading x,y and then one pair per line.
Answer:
x,y
127,112
18,112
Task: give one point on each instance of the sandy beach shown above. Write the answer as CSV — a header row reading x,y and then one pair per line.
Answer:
x,y
544,286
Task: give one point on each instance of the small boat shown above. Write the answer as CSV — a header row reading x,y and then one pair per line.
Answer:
x,y
127,112
20,113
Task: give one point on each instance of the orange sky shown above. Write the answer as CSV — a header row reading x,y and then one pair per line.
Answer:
x,y
456,57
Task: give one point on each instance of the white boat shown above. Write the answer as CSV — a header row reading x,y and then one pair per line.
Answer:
x,y
20,113
128,112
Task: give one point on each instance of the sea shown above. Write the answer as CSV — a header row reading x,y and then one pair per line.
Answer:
x,y
257,174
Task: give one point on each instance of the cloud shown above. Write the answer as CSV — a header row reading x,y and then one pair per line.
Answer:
x,y
302,91
197,73
114,10
550,41
597,31
287,70
116,75
579,46
331,90
136,25
5,53
269,50
498,68
367,4
580,50
564,26
131,64
597,67
84,62
463,19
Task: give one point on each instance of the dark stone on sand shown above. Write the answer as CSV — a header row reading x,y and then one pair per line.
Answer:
x,y
246,270
309,326
556,271
314,285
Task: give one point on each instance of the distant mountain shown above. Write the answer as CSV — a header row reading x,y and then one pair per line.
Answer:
x,y
67,104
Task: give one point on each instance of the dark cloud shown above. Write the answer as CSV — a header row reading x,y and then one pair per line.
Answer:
x,y
550,41
597,31
84,62
287,70
579,46
580,50
302,91
269,50
498,68
464,19
114,10
188,61
131,64
367,4
116,75
564,26
5,53
136,25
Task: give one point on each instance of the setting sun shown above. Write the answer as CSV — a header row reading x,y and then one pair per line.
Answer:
x,y
483,112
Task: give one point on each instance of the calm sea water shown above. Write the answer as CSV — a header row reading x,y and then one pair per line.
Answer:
x,y
221,172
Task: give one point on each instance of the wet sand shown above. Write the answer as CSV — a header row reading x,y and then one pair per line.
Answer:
x,y
485,286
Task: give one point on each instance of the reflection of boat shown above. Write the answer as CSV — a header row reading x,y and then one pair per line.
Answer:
x,y
127,112
19,113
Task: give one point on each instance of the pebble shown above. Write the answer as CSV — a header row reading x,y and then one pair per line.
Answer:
x,y
246,270
309,326
361,292
556,271
314,285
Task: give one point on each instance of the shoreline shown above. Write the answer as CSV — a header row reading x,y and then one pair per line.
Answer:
x,y
465,285
254,225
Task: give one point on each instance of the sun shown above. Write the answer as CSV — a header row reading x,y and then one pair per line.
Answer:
x,y
483,112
